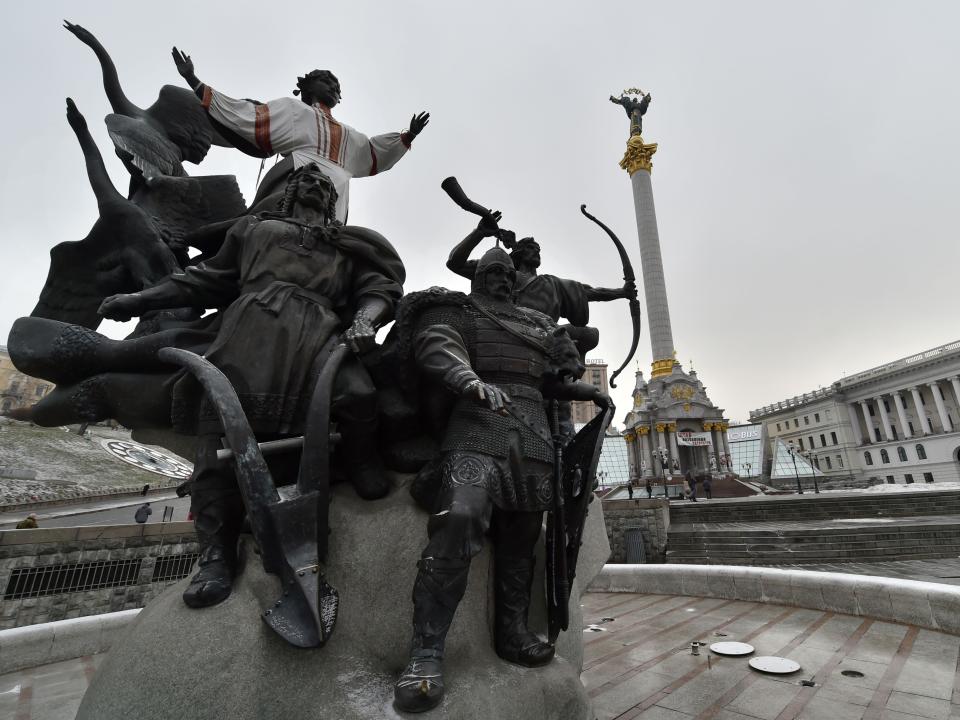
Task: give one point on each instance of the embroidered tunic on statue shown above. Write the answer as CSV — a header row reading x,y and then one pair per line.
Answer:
x,y
286,288
303,134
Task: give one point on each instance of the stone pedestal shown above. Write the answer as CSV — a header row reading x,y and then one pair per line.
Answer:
x,y
223,662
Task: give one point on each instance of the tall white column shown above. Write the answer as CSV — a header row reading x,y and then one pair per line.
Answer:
x,y
867,421
941,408
854,424
955,383
637,162
674,449
918,404
884,418
659,442
902,414
643,449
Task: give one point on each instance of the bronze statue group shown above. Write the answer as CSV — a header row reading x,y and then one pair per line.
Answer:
x,y
475,386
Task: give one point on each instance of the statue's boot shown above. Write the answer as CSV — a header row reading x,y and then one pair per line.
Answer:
x,y
65,353
437,591
364,464
514,642
217,516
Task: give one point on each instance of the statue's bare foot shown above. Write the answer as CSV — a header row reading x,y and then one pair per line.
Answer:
x,y
420,687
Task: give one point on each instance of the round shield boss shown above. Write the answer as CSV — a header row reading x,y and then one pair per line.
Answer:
x,y
733,649
774,665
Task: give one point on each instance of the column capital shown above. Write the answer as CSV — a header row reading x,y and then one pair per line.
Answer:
x,y
672,427
638,155
629,436
707,427
896,393
913,389
643,430
661,427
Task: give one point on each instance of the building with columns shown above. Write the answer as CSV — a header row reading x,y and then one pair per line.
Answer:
x,y
896,423
673,426
583,411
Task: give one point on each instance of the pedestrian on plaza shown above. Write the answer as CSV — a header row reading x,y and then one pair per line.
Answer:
x,y
143,513
708,486
649,489
630,489
28,523
692,483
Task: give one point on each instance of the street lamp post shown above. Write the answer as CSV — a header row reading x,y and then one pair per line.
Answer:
x,y
793,454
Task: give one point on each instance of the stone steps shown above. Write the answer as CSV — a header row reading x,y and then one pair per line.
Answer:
x,y
819,507
816,544
781,560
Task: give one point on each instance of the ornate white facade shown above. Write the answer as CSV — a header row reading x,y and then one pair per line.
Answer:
x,y
899,422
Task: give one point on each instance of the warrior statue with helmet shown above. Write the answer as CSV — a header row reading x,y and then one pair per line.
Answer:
x,y
497,464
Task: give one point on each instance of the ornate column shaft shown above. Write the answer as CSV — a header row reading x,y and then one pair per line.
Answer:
x,y
941,408
659,441
723,437
855,423
646,461
884,418
674,448
902,414
955,384
867,421
918,403
637,162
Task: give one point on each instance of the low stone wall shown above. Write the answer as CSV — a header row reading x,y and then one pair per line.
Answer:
x,y
51,574
929,605
650,516
36,645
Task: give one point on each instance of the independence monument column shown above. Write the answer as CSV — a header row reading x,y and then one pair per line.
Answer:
x,y
687,430
637,162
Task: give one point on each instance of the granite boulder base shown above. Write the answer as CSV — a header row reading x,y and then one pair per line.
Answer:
x,y
223,662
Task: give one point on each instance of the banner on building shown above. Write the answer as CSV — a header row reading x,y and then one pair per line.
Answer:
x,y
694,439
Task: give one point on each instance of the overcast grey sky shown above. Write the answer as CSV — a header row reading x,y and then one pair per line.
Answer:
x,y
805,182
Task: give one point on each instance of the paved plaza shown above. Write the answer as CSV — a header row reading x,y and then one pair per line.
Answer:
x,y
640,664
49,692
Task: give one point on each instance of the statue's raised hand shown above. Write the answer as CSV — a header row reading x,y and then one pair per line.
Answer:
x,y
77,121
418,122
184,63
488,223
81,33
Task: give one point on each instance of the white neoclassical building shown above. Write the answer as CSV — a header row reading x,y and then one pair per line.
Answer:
x,y
898,423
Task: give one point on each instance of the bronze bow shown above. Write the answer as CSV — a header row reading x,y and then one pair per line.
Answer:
x,y
629,279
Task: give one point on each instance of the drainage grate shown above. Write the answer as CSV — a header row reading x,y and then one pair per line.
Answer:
x,y
75,577
173,567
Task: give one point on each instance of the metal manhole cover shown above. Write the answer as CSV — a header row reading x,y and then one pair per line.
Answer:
x,y
148,459
774,665
733,649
